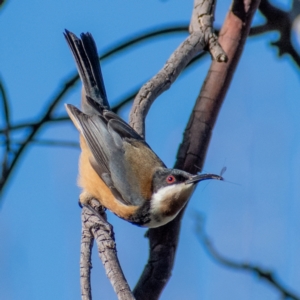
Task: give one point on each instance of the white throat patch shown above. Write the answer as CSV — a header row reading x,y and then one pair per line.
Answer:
x,y
164,194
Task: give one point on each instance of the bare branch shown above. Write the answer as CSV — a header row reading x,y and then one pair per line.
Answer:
x,y
5,104
141,37
130,96
87,241
200,38
46,143
2,2
6,112
163,240
116,108
258,271
202,20
125,100
29,125
103,233
34,131
275,22
48,115
281,21
113,50
232,37
163,80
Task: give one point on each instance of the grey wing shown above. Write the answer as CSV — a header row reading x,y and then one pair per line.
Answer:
x,y
108,161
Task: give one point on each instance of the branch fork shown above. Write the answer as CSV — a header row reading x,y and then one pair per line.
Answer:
x,y
163,240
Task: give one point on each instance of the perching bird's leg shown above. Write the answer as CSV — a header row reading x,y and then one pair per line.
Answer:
x,y
100,214
88,201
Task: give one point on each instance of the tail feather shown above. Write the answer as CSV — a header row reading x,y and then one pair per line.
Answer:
x,y
86,57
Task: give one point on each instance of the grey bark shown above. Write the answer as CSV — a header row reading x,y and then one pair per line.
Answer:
x,y
201,37
103,234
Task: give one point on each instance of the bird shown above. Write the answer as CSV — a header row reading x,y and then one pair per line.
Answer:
x,y
116,166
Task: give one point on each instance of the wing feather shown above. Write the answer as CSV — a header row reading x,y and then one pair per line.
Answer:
x,y
120,156
107,148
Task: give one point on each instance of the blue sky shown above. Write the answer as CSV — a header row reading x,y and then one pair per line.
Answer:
x,y
256,137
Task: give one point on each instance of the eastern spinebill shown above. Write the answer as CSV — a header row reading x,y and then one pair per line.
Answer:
x,y
117,167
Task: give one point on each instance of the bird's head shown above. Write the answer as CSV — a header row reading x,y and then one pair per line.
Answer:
x,y
171,189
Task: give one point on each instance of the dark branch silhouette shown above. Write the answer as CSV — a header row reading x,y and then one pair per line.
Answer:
x,y
166,237
163,240
282,22
250,268
48,115
6,115
2,2
46,142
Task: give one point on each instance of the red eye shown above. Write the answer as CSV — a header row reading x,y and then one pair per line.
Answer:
x,y
170,179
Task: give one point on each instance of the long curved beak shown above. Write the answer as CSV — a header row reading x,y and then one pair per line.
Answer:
x,y
197,178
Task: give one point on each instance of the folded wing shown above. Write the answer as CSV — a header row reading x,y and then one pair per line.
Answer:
x,y
118,154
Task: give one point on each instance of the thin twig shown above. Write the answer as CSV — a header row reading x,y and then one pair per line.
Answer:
x,y
48,114
281,21
256,270
5,104
2,2
43,142
116,108
6,112
125,100
28,125
120,46
276,19
256,30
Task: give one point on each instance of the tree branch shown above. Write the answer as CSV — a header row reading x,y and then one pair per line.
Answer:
x,y
48,114
103,233
163,240
258,271
201,37
276,20
6,112
281,21
87,241
44,142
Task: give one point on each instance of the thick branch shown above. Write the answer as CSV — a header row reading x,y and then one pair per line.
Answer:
x,y
163,240
232,37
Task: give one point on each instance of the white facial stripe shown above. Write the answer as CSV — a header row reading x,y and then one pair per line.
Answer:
x,y
167,192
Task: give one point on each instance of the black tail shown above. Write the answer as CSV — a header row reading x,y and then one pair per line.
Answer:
x,y
86,57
